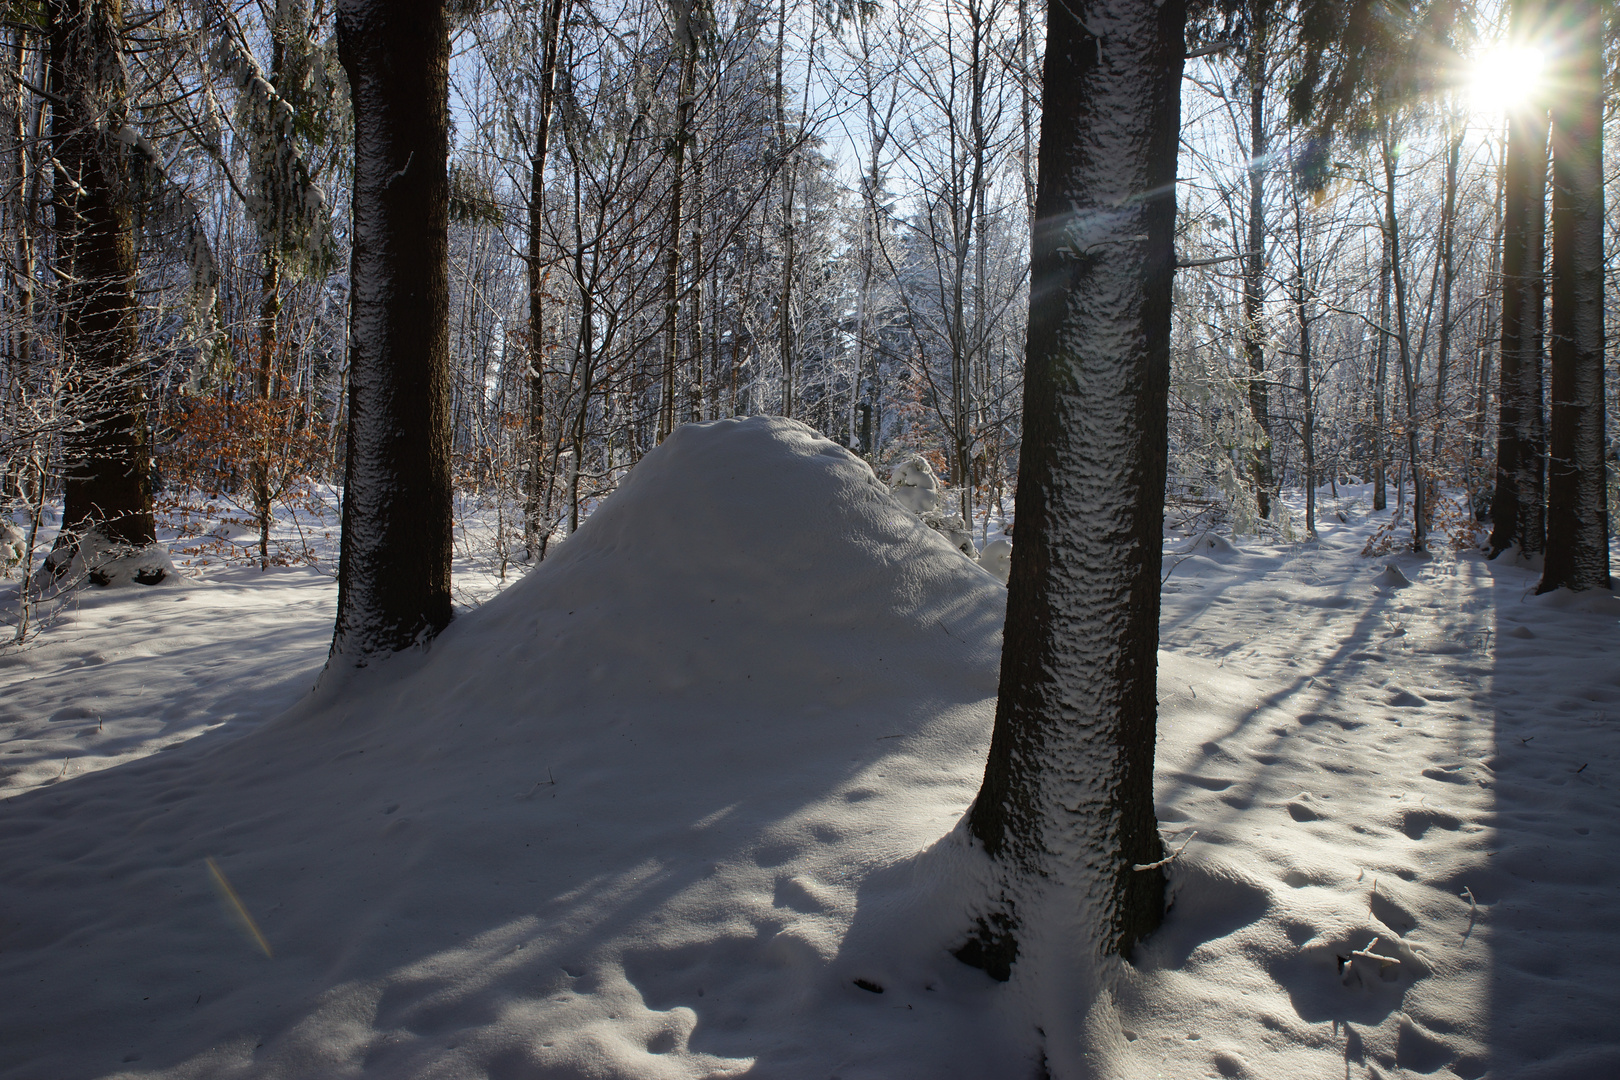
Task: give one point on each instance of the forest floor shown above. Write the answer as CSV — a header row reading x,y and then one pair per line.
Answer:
x,y
681,803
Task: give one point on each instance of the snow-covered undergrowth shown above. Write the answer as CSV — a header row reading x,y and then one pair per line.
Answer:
x,y
679,804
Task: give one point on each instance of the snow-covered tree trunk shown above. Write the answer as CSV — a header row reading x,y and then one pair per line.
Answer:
x,y
394,568
1517,505
107,456
1066,809
1577,502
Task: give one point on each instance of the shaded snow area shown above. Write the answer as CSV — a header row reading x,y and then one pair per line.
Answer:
x,y
683,802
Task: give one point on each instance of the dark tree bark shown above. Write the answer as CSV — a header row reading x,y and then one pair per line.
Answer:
x,y
1519,501
1066,809
394,567
1577,503
108,481
263,380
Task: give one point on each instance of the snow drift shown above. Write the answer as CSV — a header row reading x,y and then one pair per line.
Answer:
x,y
614,823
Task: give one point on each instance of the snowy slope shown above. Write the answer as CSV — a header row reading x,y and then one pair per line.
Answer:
x,y
657,808
649,779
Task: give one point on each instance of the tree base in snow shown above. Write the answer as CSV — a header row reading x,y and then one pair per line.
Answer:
x,y
107,564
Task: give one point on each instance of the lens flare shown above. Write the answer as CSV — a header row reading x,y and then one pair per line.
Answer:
x,y
1505,77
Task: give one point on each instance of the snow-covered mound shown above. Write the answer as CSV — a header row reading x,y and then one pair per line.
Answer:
x,y
616,823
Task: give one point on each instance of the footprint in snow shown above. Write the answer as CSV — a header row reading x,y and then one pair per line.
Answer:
x,y
1415,822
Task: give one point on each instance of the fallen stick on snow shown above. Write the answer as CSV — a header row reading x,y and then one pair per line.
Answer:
x,y
1168,858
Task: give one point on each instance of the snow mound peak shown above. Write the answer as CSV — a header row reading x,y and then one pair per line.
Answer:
x,y
1392,578
764,517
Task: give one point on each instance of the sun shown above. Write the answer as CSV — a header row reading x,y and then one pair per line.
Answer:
x,y
1504,77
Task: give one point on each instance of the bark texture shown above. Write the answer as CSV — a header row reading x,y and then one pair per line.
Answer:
x,y
394,569
1577,504
108,458
1518,504
1066,808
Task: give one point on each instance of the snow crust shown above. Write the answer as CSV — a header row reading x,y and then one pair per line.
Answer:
x,y
682,800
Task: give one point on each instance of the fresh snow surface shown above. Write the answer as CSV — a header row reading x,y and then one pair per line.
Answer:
x,y
683,799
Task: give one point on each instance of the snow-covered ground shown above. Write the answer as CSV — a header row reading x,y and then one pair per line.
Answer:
x,y
681,802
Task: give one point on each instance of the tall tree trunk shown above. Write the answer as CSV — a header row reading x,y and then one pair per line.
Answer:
x,y
25,132
1577,487
269,323
1066,809
1403,343
785,297
694,411
1026,107
1307,394
1485,334
686,45
1254,263
1518,505
394,565
537,484
1448,276
107,458
1381,386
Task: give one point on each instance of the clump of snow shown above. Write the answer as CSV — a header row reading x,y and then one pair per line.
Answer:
x,y
13,544
619,821
106,563
996,558
914,485
1211,545
1391,577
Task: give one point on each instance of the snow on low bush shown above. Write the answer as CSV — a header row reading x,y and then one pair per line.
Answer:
x,y
99,561
996,558
13,545
914,486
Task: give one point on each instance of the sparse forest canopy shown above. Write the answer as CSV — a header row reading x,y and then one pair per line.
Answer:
x,y
660,213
